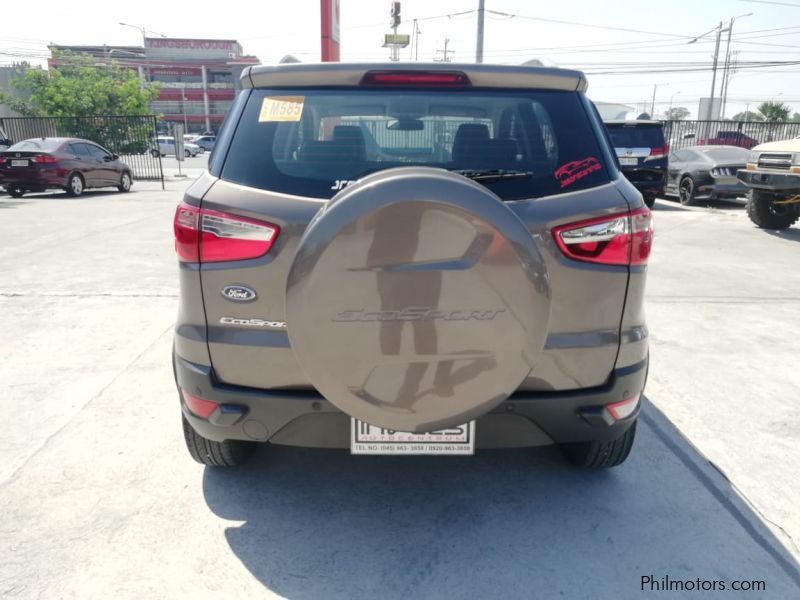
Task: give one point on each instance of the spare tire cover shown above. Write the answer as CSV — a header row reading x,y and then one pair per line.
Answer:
x,y
417,300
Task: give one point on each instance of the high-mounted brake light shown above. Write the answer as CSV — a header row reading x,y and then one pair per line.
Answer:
x,y
416,78
205,235
619,239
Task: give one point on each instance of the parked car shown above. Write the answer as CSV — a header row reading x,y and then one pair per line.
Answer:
x,y
339,291
705,173
642,153
772,173
190,138
70,164
732,138
166,145
206,142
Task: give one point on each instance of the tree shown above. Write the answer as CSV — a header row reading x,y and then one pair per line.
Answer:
x,y
747,116
676,113
774,111
77,87
796,117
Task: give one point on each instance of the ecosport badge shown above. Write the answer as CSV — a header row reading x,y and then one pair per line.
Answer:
x,y
238,293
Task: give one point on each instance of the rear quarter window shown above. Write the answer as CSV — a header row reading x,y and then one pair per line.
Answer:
x,y
313,142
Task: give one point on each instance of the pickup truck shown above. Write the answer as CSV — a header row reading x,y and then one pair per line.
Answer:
x,y
773,175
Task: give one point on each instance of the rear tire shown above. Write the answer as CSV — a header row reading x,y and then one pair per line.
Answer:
x,y
686,191
187,154
229,453
16,192
75,185
649,201
601,455
762,212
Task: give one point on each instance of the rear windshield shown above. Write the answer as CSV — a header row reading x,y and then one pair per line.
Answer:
x,y
45,145
724,153
314,142
636,136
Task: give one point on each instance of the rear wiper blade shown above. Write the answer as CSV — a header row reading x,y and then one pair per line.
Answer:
x,y
493,174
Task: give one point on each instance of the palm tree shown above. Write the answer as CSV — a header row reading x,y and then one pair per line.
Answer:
x,y
774,111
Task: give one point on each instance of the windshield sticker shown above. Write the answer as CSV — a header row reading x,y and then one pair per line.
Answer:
x,y
281,108
577,169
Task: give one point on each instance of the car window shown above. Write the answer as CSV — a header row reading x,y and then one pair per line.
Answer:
x,y
683,155
636,136
313,142
96,152
725,153
79,150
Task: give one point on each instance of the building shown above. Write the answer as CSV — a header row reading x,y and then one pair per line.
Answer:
x,y
199,77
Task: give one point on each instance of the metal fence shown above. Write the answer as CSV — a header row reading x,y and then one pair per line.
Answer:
x,y
745,134
131,137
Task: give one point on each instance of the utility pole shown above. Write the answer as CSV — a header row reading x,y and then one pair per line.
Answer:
x,y
714,73
479,42
445,51
653,104
727,73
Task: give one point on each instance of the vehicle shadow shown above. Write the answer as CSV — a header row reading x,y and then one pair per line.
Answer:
x,y
501,524
792,234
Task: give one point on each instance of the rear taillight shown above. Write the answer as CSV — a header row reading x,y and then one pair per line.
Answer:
x,y
416,78
658,152
44,159
619,239
204,235
2,160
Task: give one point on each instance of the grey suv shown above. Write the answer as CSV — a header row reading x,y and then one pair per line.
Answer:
x,y
413,259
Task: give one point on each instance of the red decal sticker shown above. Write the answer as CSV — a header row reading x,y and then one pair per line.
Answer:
x,y
577,169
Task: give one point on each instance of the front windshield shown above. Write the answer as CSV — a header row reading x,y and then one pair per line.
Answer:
x,y
314,142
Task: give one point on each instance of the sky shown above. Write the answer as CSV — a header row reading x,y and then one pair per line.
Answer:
x,y
628,49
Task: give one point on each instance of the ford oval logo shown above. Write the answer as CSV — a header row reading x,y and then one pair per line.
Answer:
x,y
238,293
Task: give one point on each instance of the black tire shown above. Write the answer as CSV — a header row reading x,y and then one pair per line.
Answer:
x,y
768,216
16,192
229,453
125,183
686,191
75,185
187,154
601,455
649,201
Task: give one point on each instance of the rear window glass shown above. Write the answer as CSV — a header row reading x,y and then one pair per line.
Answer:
x,y
314,142
633,136
46,145
719,154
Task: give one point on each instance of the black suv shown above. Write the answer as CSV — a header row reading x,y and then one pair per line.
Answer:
x,y
642,152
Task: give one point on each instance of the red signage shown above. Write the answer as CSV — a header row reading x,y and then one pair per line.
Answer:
x,y
329,12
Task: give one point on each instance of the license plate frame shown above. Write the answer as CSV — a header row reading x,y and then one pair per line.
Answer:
x,y
366,439
628,161
15,162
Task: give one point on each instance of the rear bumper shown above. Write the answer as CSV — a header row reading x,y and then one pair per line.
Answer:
x,y
39,180
778,182
649,181
305,418
721,190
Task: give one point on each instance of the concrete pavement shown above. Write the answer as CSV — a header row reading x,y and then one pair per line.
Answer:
x,y
99,499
